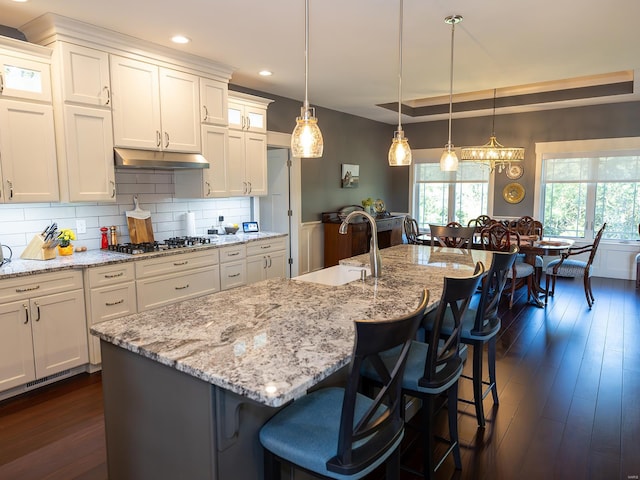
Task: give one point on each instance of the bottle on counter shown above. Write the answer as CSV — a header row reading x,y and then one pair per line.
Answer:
x,y
114,234
104,241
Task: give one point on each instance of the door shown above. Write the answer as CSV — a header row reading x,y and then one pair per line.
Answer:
x,y
28,150
16,350
179,105
275,206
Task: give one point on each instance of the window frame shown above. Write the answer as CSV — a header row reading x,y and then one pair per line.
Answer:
x,y
432,155
580,148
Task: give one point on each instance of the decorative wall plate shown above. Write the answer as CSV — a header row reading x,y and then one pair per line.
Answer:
x,y
513,193
514,171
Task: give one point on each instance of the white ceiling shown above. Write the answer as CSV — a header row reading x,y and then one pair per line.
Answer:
x,y
354,43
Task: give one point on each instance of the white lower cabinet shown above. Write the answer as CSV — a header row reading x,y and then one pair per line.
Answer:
x,y
43,329
165,280
233,266
111,293
266,259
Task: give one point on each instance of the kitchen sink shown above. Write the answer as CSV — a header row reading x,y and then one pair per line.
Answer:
x,y
334,276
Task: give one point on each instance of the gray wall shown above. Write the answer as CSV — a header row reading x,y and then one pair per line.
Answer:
x,y
350,139
347,139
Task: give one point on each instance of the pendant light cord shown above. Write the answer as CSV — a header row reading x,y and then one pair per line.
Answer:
x,y
400,68
306,57
453,28
493,117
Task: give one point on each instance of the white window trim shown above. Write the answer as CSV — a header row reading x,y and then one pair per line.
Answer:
x,y
428,155
576,146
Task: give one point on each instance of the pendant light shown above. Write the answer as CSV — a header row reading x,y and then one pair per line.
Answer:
x,y
493,153
399,152
449,160
306,139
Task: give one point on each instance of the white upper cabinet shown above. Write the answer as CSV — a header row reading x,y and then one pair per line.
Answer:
x,y
154,108
213,102
27,152
24,78
85,75
247,116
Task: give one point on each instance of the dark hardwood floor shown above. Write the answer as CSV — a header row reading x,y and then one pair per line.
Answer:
x,y
569,383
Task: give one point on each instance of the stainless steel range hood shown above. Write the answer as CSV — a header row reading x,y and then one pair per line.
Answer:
x,y
134,158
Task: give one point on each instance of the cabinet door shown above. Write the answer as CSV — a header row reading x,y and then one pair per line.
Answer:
x,y
59,332
256,268
89,152
28,152
135,104
235,114
16,350
85,75
22,78
256,163
255,119
179,105
237,184
276,265
214,102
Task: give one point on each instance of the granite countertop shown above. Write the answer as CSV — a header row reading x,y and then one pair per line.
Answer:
x,y
273,340
95,258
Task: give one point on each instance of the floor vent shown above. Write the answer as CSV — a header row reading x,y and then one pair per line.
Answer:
x,y
40,381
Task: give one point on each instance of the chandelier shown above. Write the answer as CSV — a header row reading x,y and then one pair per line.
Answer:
x,y
493,153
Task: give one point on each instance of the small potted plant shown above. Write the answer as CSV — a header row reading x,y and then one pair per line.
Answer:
x,y
64,237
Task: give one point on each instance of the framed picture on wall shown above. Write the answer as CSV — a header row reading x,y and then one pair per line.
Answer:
x,y
350,175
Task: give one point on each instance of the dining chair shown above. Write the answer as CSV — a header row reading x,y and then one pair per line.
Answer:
x,y
568,267
412,231
451,236
339,432
480,326
434,368
500,238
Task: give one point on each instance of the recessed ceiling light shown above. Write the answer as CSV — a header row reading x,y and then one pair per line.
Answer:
x,y
20,1
265,73
180,39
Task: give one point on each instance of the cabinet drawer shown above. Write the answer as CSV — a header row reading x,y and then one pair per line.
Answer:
x,y
156,292
233,274
112,302
232,253
176,263
37,285
265,246
111,274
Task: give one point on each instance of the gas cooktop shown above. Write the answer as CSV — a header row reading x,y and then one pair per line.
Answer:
x,y
168,244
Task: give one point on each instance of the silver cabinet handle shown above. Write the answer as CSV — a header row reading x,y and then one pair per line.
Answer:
x,y
177,264
250,187
113,188
10,186
269,257
248,123
117,302
245,187
206,113
158,138
108,92
166,140
265,262
234,275
1,83
183,287
208,188
234,254
264,247
26,314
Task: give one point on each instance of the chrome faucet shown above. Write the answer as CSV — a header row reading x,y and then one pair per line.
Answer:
x,y
374,253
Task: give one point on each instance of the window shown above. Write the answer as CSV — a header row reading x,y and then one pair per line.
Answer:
x,y
442,197
581,191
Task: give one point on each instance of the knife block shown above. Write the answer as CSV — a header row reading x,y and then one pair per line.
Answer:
x,y
37,251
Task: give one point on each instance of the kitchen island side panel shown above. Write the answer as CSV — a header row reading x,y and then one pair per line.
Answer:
x,y
159,422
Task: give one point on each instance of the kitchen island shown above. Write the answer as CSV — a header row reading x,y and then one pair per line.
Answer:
x,y
188,386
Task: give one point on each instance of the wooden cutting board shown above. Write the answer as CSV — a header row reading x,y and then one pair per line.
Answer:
x,y
140,230
139,224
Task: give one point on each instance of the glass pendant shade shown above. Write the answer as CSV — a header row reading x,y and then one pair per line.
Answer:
x,y
449,159
399,152
306,140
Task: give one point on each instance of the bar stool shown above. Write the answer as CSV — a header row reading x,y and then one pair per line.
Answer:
x,y
341,433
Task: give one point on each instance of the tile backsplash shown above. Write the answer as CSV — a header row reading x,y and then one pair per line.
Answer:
x,y
155,191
